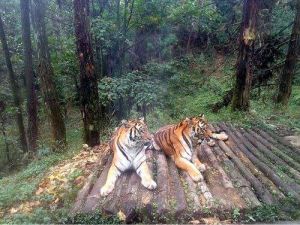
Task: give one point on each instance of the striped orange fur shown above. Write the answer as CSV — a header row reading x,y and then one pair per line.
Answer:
x,y
176,142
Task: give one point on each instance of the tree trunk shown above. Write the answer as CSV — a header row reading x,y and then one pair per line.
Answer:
x,y
244,73
286,77
32,130
3,130
15,89
46,74
89,98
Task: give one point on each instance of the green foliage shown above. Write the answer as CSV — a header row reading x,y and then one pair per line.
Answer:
x,y
95,218
266,213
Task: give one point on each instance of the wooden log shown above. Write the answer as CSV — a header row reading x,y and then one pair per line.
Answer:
x,y
269,154
214,162
225,198
191,192
266,170
234,141
282,141
260,190
206,198
242,186
145,199
162,184
111,202
292,153
289,160
84,191
129,195
93,199
176,190
263,161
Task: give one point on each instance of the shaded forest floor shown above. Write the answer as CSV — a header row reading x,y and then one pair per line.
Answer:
x,y
43,191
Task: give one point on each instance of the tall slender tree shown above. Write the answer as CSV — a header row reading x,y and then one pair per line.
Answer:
x,y
32,130
46,74
286,77
15,89
244,73
89,97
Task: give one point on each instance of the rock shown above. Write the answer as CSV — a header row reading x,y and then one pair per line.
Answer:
x,y
294,140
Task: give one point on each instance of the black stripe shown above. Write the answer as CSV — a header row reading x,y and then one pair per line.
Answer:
x,y
186,140
183,146
139,151
118,168
140,164
130,134
122,150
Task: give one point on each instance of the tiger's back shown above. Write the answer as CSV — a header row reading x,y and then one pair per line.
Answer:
x,y
174,140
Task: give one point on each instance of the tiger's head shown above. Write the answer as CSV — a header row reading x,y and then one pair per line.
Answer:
x,y
137,131
199,125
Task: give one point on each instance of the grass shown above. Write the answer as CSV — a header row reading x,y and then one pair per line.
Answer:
x,y
20,186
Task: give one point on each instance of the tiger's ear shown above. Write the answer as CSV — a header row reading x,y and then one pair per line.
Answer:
x,y
123,122
202,116
142,119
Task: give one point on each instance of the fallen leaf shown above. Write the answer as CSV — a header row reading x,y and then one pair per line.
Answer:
x,y
121,216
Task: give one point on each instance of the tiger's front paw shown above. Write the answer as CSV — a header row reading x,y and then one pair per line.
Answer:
x,y
211,143
200,166
149,183
223,136
196,176
106,189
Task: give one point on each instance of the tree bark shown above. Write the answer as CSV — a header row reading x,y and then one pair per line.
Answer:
x,y
15,90
32,130
46,74
89,97
244,73
286,77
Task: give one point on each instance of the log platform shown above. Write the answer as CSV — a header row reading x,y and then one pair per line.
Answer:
x,y
252,168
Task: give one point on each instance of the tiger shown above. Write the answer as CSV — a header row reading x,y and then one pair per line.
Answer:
x,y
176,142
129,143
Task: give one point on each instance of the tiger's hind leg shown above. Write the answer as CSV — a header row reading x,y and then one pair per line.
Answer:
x,y
145,174
112,177
186,165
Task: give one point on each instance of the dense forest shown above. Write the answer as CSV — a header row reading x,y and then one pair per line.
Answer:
x,y
70,71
